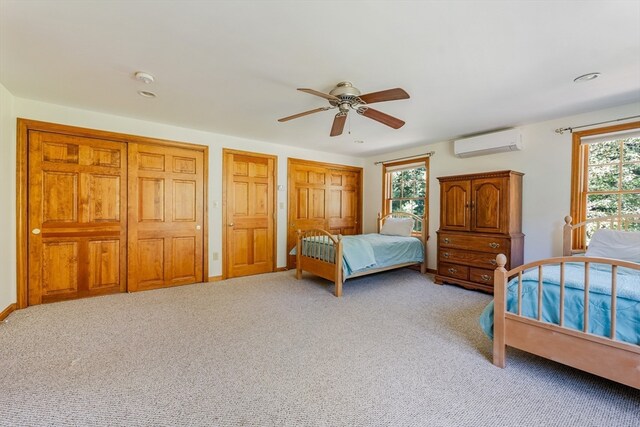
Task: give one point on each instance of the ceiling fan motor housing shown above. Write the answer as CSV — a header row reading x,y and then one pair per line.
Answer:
x,y
348,95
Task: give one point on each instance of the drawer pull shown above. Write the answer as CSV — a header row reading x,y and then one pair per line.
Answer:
x,y
446,240
493,262
446,254
494,245
485,277
452,270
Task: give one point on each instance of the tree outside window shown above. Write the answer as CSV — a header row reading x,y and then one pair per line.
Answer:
x,y
608,179
406,187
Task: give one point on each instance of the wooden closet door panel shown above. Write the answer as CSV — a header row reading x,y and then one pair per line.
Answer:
x,y
342,203
489,208
166,213
250,193
322,196
77,217
455,199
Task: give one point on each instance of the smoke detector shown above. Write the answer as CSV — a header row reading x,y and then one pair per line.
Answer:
x,y
144,77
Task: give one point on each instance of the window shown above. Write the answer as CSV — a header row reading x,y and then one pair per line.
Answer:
x,y
406,187
606,178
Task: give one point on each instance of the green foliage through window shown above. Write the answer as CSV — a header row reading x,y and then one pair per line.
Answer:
x,y
613,180
407,191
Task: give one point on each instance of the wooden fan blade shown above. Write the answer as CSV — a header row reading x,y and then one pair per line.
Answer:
x,y
381,117
384,95
295,116
320,94
338,124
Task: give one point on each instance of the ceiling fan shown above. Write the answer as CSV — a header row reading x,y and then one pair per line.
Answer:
x,y
344,97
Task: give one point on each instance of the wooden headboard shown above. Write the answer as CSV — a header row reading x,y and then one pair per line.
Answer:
x,y
616,222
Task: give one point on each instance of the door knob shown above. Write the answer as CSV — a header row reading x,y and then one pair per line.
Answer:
x,y
198,227
231,224
35,231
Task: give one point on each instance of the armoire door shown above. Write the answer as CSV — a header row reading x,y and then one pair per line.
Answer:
x,y
166,216
489,202
322,196
249,203
455,205
76,217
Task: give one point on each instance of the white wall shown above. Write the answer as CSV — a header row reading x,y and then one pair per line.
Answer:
x,y
35,110
8,194
545,161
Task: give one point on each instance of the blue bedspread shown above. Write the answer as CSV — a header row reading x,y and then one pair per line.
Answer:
x,y
628,300
368,251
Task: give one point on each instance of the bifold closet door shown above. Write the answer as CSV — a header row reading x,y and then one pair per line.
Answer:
x,y
166,214
77,217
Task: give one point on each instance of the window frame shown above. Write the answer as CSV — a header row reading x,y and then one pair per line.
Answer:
x,y
386,183
580,177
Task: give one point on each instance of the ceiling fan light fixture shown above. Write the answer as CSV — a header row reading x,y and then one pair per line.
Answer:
x,y
586,77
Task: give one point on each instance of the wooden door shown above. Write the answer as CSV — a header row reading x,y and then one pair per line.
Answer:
x,y
166,216
455,199
76,217
248,203
489,205
322,196
342,202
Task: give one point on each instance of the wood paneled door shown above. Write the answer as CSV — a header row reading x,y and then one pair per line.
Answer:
x,y
324,196
248,213
166,216
101,212
76,217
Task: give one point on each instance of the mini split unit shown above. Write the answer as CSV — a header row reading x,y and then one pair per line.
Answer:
x,y
497,142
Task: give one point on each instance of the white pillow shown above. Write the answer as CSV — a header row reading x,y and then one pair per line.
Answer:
x,y
397,227
624,245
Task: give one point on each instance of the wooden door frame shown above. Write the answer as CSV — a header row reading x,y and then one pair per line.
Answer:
x,y
225,255
291,186
24,126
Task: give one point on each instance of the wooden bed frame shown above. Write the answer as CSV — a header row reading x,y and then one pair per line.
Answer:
x,y
332,270
603,356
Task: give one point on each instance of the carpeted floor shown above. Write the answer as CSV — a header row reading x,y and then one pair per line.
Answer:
x,y
395,350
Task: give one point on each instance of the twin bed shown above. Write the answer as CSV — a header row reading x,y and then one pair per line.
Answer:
x,y
582,311
400,242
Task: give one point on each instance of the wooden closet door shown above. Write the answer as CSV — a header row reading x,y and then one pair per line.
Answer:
x,y
77,217
322,196
249,213
455,203
166,214
342,202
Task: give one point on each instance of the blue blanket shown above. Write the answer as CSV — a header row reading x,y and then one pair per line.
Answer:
x,y
627,301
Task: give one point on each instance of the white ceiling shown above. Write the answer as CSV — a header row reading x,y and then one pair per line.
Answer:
x,y
232,67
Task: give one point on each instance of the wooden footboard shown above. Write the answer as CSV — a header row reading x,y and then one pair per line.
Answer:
x,y
603,356
322,258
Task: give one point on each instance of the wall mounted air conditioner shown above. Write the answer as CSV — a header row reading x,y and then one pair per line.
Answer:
x,y
497,142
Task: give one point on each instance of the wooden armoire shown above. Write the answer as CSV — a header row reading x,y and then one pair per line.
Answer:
x,y
480,217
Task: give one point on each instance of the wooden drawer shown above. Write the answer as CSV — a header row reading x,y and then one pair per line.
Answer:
x,y
474,259
453,270
479,275
495,245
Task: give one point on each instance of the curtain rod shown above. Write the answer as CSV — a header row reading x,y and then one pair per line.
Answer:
x,y
570,129
429,154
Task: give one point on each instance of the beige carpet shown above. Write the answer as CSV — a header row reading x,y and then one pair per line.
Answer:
x,y
268,350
